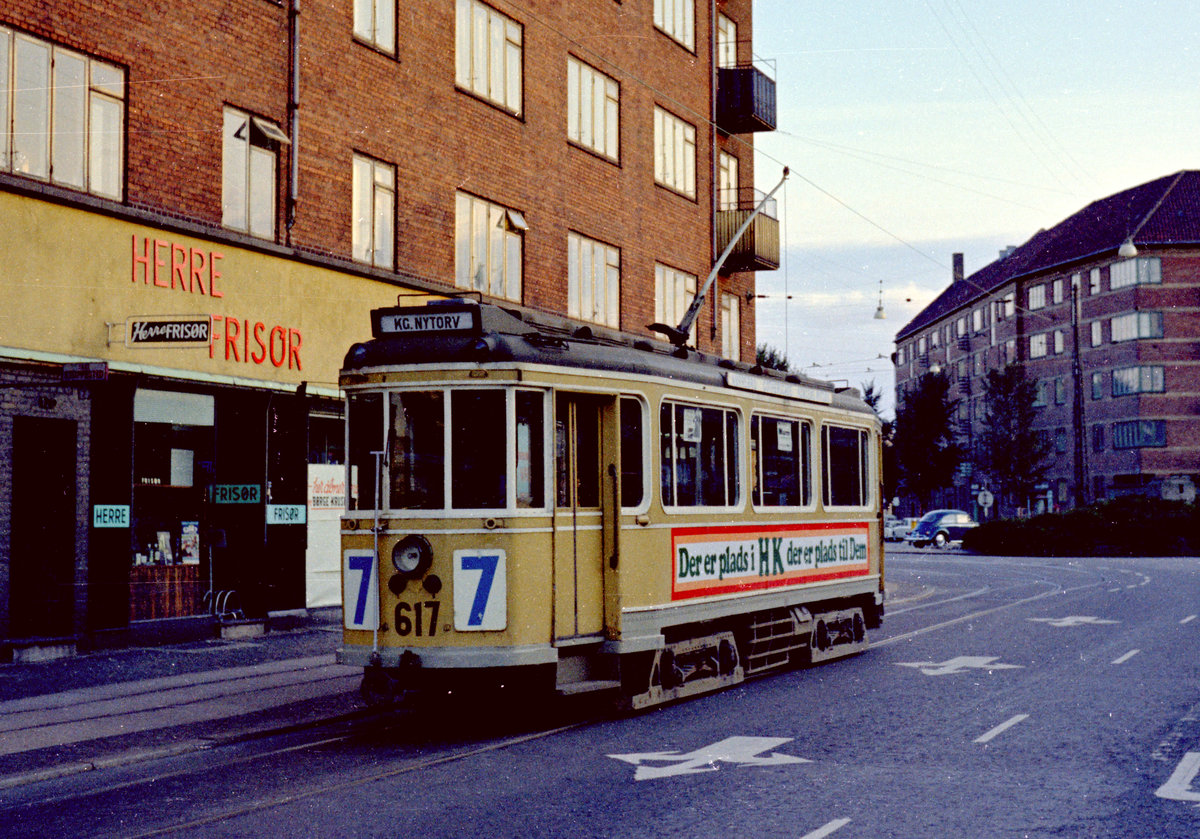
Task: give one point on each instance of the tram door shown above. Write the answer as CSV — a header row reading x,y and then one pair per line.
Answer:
x,y
581,426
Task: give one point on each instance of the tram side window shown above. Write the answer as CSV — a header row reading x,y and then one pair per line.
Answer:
x,y
531,471
478,452
416,451
783,470
364,426
632,452
845,456
699,456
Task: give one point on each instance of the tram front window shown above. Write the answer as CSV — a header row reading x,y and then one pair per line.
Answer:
x,y
478,453
416,457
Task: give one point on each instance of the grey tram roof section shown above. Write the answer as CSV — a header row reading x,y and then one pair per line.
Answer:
x,y
1159,213
512,335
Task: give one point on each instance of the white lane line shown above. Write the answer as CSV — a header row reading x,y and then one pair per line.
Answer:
x,y
1178,786
1188,619
1001,728
821,832
1126,657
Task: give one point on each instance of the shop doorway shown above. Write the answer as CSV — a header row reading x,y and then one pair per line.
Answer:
x,y
41,590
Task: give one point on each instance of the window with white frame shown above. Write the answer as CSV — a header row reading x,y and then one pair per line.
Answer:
x,y
934,336
1037,297
1059,342
921,345
1135,325
1140,271
1138,434
1127,380
1037,345
731,327
488,54
1060,391
960,327
677,18
726,42
727,181
673,293
1010,351
593,281
977,320
1097,333
62,116
593,109
488,247
1094,281
674,153
1041,393
374,207
1057,287
845,458
375,23
1097,385
249,157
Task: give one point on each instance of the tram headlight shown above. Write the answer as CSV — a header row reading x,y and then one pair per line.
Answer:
x,y
412,556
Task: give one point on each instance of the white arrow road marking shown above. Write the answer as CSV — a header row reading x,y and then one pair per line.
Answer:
x,y
1126,657
961,664
1188,619
1001,728
1178,786
744,750
1073,620
822,832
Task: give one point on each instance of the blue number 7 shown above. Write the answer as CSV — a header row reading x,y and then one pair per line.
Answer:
x,y
362,563
487,565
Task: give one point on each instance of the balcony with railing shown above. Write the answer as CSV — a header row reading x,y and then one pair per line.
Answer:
x,y
758,249
745,99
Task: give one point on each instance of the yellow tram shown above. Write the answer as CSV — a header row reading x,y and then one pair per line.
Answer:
x,y
538,504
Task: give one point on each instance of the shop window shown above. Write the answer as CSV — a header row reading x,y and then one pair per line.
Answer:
x,y
699,456
781,462
172,465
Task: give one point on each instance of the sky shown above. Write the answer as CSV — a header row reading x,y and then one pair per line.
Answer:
x,y
915,129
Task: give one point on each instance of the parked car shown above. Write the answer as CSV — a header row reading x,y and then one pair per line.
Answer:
x,y
940,528
894,529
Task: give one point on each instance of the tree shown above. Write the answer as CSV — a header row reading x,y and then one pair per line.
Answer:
x,y
927,448
1011,452
771,358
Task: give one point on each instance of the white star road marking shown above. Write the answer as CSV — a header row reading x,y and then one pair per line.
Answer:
x,y
960,664
746,751
1073,620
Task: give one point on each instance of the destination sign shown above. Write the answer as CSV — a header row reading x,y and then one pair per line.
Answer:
x,y
168,330
431,319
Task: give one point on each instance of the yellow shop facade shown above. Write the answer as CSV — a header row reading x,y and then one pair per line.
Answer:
x,y
170,403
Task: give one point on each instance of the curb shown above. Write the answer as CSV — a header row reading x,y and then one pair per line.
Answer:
x,y
135,756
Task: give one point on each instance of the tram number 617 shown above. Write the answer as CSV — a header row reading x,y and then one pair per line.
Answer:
x,y
412,617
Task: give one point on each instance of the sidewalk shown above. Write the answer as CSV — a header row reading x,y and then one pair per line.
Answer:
x,y
117,707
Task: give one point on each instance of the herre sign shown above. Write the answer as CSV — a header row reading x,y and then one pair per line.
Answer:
x,y
175,331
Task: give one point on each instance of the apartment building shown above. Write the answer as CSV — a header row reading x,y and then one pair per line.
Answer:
x,y
200,204
1103,312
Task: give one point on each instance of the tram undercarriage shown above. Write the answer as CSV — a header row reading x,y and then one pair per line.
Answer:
x,y
694,660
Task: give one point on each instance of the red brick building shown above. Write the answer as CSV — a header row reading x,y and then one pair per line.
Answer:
x,y
201,203
1103,311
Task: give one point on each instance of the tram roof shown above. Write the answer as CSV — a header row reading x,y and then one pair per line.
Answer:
x,y
461,330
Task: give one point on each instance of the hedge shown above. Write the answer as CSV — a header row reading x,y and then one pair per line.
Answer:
x,y
1130,526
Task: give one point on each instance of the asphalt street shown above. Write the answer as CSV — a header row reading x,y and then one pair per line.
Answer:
x,y
1003,697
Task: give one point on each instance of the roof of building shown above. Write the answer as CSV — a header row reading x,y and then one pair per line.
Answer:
x,y
1165,211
